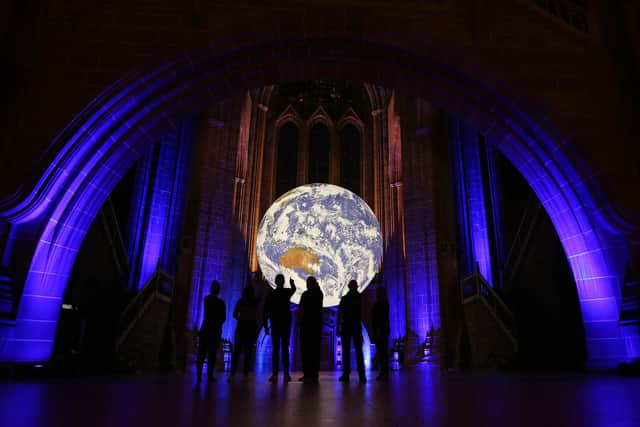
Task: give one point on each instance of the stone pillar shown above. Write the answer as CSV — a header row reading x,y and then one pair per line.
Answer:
x,y
474,243
241,211
388,202
494,208
157,206
255,173
445,223
421,258
214,180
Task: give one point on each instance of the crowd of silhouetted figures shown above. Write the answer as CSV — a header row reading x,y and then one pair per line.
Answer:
x,y
277,320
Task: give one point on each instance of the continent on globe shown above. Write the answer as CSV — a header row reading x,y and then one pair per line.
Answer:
x,y
301,258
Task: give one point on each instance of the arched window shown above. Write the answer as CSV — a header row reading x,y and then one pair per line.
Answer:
x,y
350,158
287,160
319,154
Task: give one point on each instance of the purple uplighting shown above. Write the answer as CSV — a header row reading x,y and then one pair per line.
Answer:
x,y
120,126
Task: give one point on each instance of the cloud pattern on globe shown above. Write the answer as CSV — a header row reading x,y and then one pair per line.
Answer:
x,y
320,230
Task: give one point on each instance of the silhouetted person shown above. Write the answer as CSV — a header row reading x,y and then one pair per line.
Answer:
x,y
311,329
209,338
245,312
380,329
350,328
277,312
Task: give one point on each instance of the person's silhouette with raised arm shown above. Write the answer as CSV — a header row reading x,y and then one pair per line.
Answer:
x,y
277,321
245,312
350,328
210,332
381,330
311,330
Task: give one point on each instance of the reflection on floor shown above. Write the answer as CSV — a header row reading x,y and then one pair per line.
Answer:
x,y
418,397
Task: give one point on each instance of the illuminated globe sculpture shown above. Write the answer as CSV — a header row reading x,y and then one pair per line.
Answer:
x,y
320,230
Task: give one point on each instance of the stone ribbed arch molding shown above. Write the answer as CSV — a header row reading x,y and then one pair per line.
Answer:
x,y
90,156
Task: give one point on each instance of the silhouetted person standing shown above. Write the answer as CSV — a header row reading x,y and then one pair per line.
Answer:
x,y
380,327
277,312
350,328
245,312
311,330
210,331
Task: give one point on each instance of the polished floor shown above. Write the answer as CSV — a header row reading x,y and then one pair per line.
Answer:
x,y
419,397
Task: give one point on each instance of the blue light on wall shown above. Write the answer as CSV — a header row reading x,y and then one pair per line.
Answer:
x,y
158,203
106,138
471,207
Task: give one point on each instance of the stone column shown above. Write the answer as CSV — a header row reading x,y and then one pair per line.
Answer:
x,y
388,202
423,301
215,183
474,243
445,223
157,207
258,180
494,208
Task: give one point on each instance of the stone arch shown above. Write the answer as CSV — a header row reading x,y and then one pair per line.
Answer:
x,y
290,115
351,118
91,154
321,116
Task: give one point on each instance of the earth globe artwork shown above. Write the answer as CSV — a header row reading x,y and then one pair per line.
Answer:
x,y
324,231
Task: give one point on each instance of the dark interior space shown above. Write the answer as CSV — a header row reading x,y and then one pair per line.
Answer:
x,y
542,292
145,151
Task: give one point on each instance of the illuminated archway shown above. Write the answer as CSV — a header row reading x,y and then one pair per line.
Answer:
x,y
104,140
